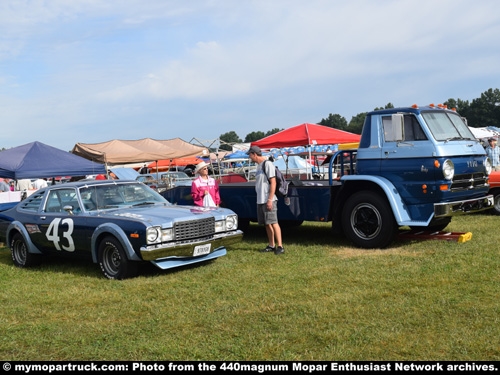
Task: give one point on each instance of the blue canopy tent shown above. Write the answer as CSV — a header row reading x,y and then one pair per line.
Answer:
x,y
38,160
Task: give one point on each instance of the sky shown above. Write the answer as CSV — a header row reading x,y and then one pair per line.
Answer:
x,y
89,71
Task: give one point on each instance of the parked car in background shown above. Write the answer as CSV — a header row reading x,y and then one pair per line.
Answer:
x,y
165,180
117,224
495,191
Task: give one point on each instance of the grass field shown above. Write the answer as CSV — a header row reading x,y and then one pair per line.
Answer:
x,y
322,300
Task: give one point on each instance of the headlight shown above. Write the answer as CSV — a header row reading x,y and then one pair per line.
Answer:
x,y
448,169
232,222
487,166
153,235
167,235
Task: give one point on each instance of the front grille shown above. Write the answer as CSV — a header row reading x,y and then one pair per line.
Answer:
x,y
194,229
468,181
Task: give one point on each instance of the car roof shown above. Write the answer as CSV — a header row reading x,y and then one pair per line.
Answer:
x,y
93,183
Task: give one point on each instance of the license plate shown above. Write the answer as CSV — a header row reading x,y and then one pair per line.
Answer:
x,y
201,249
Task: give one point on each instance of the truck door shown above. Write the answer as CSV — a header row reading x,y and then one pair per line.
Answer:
x,y
407,155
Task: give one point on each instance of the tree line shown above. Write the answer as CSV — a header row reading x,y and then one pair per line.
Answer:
x,y
480,112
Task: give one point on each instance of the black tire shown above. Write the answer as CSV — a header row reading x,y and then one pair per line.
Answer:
x,y
20,254
496,206
113,261
367,220
290,223
435,226
243,224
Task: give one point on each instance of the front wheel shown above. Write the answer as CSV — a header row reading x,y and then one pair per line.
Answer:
x,y
113,261
496,205
367,220
435,226
20,254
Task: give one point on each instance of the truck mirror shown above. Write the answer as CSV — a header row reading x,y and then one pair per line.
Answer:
x,y
394,130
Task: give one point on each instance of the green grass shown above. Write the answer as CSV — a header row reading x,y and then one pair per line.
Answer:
x,y
322,300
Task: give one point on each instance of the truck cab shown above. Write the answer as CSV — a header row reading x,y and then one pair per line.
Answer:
x,y
427,161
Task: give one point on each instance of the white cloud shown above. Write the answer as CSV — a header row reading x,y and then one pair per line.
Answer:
x,y
112,66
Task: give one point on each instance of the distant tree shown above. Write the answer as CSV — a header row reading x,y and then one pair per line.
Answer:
x,y
273,131
228,139
387,106
335,121
254,136
484,111
356,123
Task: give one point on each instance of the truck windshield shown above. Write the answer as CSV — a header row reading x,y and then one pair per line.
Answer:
x,y
446,126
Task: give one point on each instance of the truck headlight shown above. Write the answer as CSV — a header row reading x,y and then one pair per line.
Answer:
x,y
448,169
488,166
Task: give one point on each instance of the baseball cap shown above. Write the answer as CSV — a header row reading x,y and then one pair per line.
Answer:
x,y
255,150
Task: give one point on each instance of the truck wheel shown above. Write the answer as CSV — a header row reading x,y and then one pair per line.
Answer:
x,y
367,220
435,226
496,206
290,223
113,260
20,254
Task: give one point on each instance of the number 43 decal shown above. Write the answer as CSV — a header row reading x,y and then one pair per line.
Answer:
x,y
53,234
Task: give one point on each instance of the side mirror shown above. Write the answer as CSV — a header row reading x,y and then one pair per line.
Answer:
x,y
393,131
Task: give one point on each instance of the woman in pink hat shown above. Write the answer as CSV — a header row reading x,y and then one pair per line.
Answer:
x,y
204,189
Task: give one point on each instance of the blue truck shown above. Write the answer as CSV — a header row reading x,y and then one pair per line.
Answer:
x,y
414,167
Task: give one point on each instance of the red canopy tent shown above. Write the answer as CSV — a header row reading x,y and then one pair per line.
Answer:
x,y
306,134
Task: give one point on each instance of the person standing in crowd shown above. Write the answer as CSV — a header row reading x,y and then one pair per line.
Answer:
x,y
493,152
40,183
23,185
204,188
144,169
4,186
267,202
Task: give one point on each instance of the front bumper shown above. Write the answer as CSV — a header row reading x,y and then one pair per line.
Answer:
x,y
185,249
463,207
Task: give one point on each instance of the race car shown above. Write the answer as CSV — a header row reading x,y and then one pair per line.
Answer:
x,y
117,224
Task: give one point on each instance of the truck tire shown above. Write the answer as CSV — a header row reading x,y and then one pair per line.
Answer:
x,y
367,220
113,261
20,254
496,205
435,226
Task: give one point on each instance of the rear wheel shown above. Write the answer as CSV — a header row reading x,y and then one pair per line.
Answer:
x,y
113,261
367,220
20,254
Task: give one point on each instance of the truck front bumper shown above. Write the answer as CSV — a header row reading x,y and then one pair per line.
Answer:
x,y
463,207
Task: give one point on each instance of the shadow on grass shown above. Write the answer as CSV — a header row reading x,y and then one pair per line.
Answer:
x,y
86,267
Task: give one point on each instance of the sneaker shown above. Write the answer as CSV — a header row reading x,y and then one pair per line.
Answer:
x,y
268,249
279,250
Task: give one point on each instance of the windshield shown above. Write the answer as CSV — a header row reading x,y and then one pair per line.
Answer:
x,y
446,126
118,195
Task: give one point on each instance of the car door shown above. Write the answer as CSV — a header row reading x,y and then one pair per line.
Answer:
x,y
62,231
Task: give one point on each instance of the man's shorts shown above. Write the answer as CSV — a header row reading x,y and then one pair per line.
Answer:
x,y
266,217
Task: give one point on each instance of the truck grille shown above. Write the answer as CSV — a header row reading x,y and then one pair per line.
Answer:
x,y
468,181
194,229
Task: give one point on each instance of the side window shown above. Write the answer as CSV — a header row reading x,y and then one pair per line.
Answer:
x,y
58,199
32,203
412,129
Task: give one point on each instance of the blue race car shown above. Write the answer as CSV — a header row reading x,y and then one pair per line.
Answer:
x,y
116,223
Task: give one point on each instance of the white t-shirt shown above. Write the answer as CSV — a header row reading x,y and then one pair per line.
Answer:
x,y
262,183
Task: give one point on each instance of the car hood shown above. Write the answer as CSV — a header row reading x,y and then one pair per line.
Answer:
x,y
159,213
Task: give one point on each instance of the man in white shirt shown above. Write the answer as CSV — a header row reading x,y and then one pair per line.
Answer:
x,y
40,183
